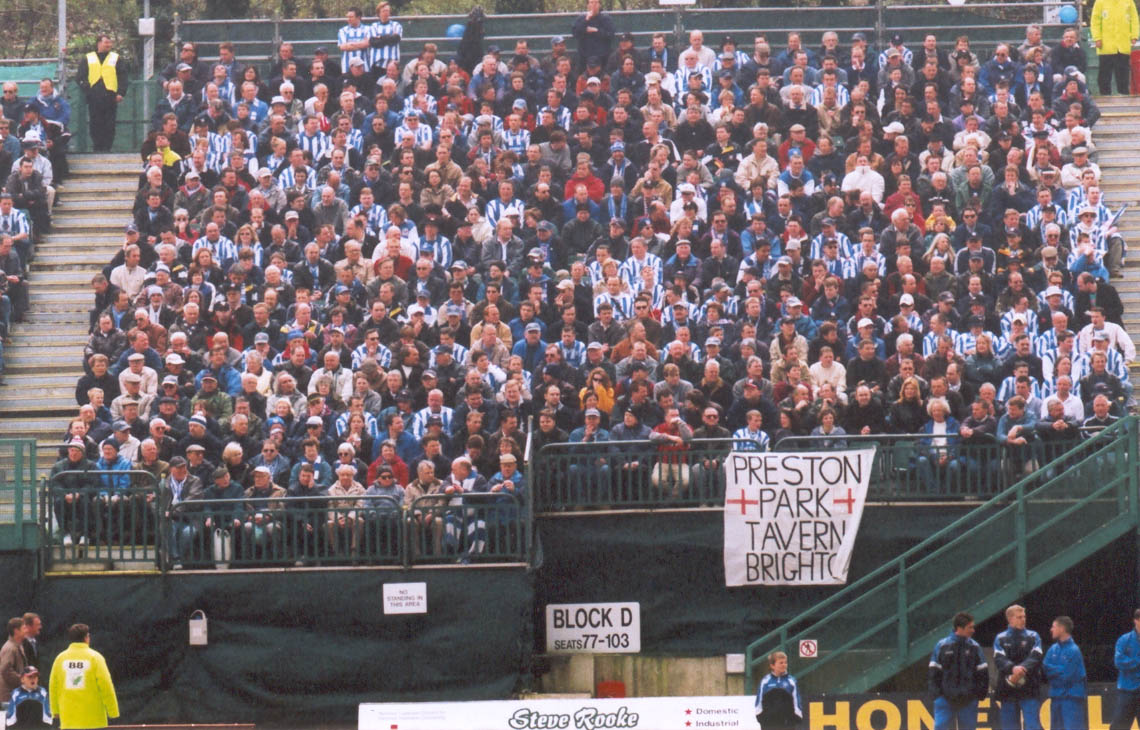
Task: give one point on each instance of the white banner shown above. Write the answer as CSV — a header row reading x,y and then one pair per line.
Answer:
x,y
790,518
647,713
593,628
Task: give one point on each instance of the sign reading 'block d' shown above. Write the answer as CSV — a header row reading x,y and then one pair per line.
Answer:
x,y
791,518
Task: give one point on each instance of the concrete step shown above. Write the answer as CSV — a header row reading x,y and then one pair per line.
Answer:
x,y
25,362
103,183
30,426
90,220
95,201
77,240
88,260
56,379
52,319
109,169
75,277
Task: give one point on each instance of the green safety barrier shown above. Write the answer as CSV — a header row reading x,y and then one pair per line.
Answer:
x,y
18,508
1015,542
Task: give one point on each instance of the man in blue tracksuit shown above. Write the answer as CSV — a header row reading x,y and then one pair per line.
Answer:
x,y
778,696
1064,669
1127,661
1017,655
958,677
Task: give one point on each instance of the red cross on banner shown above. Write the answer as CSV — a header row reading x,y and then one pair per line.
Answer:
x,y
849,501
743,502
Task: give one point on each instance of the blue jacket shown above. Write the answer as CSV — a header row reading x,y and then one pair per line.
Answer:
x,y
109,483
1127,661
229,379
952,443
958,670
1018,647
777,713
1065,669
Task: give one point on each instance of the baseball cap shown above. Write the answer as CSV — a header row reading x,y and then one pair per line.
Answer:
x,y
594,412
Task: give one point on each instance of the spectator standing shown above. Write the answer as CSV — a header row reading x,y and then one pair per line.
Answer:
x,y
1064,669
385,40
778,703
12,659
594,32
1115,27
103,80
958,677
81,691
1018,655
1127,661
32,627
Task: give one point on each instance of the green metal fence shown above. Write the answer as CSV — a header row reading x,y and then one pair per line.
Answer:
x,y
630,474
909,467
297,531
1047,522
255,40
18,508
131,123
99,516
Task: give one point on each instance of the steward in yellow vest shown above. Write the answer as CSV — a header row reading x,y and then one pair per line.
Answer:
x,y
81,692
104,81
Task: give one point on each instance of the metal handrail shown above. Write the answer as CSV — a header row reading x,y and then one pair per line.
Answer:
x,y
1115,435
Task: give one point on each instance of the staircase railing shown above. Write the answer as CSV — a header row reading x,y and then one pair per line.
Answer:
x,y
1044,524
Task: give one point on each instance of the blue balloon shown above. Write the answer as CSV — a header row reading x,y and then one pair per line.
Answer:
x,y
455,30
1068,14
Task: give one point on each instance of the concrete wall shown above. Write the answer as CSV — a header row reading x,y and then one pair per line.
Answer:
x,y
643,676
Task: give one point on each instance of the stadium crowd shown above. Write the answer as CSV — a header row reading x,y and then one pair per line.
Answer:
x,y
369,272
33,162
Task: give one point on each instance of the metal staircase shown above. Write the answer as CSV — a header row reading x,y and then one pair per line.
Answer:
x,y
1012,544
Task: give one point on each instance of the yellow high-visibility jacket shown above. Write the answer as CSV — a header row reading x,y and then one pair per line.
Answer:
x,y
81,692
1115,24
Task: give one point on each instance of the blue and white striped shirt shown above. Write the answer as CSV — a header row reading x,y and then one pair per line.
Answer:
x,y
224,250
370,425
1007,321
287,178
516,141
1008,388
930,341
15,223
422,134
382,55
747,440
376,216
846,248
315,145
496,209
383,356
350,34
630,270
574,354
622,304
842,96
419,420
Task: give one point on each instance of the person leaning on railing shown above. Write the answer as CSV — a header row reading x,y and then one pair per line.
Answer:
x,y
264,510
71,489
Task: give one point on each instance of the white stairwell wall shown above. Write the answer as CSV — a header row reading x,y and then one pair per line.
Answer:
x,y
1117,139
44,360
